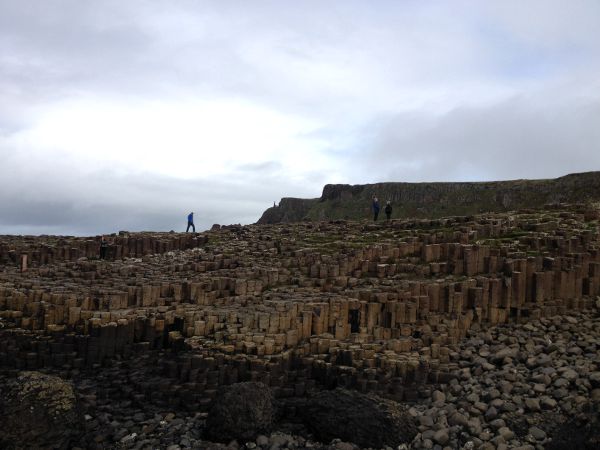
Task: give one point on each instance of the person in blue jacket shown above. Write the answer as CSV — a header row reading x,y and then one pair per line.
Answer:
x,y
375,208
190,223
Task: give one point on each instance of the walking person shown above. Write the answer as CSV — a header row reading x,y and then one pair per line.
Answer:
x,y
388,210
375,208
190,223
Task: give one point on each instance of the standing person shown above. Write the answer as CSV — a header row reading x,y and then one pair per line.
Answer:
x,y
375,208
103,248
190,223
388,210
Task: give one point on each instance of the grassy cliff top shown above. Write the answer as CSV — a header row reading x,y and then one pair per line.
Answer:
x,y
436,199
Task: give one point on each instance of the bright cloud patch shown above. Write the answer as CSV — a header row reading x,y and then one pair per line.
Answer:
x,y
180,140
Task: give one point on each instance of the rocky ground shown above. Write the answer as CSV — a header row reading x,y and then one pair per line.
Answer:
x,y
531,386
463,332
525,386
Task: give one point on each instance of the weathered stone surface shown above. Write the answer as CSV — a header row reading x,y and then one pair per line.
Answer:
x,y
366,420
38,411
241,411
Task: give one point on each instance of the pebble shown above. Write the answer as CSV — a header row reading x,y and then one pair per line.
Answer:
x,y
537,433
559,394
497,424
548,403
532,404
491,413
128,439
344,446
441,436
426,421
438,396
262,440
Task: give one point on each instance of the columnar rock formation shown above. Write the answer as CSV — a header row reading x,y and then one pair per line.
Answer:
x,y
53,249
378,308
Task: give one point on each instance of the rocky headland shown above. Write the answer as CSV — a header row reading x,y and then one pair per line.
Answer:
x,y
433,200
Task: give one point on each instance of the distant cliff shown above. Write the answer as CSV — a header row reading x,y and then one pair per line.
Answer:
x,y
289,210
343,201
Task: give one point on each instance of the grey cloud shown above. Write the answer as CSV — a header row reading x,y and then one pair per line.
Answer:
x,y
259,168
45,196
514,139
308,57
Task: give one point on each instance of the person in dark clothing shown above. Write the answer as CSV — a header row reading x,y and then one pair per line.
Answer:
x,y
103,248
375,208
388,210
190,223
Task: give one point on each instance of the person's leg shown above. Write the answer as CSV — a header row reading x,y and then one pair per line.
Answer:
x,y
193,227
188,227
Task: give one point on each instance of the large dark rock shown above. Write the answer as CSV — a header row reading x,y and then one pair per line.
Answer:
x,y
38,411
241,411
366,420
579,433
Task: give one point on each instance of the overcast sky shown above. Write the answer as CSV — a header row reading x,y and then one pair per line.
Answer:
x,y
126,115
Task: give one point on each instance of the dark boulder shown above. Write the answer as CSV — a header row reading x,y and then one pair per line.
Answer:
x,y
580,432
241,411
38,411
364,419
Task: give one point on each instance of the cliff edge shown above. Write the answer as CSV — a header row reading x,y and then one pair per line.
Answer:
x,y
343,201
